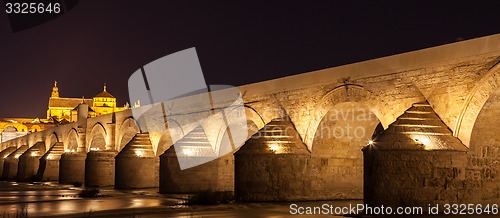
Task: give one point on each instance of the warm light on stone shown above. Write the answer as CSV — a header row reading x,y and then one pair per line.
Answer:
x,y
275,148
138,153
187,151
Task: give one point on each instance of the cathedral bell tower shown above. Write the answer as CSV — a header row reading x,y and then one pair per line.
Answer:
x,y
55,91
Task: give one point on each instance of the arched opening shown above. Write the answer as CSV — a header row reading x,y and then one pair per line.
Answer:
x,y
164,143
98,138
251,130
72,144
9,128
128,131
378,130
479,95
485,149
237,128
22,128
35,128
51,140
336,157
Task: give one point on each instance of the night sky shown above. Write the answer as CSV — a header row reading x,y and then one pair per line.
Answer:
x,y
238,42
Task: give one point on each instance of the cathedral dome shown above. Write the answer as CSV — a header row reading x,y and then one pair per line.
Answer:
x,y
104,94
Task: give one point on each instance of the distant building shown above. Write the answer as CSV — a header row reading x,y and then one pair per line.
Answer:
x,y
15,127
65,109
60,111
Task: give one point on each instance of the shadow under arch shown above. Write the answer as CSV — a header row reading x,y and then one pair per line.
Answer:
x,y
336,155
340,94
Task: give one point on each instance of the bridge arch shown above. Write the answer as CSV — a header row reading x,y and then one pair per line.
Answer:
x,y
72,140
163,143
51,140
127,131
9,128
35,128
175,130
475,101
340,94
255,117
97,137
252,117
22,128
485,146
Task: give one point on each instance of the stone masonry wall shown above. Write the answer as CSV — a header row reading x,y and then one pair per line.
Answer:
x,y
415,177
483,171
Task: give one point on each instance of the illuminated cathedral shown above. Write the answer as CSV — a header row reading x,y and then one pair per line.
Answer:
x,y
60,111
65,109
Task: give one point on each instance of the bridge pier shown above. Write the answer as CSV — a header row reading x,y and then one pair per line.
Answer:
x,y
136,164
29,162
72,164
49,163
215,175
100,168
415,162
12,162
272,165
3,155
72,168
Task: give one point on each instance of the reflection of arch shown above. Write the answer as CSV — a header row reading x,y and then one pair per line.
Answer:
x,y
128,129
346,93
72,137
98,137
474,102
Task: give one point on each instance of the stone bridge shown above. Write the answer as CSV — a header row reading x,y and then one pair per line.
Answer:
x,y
336,112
